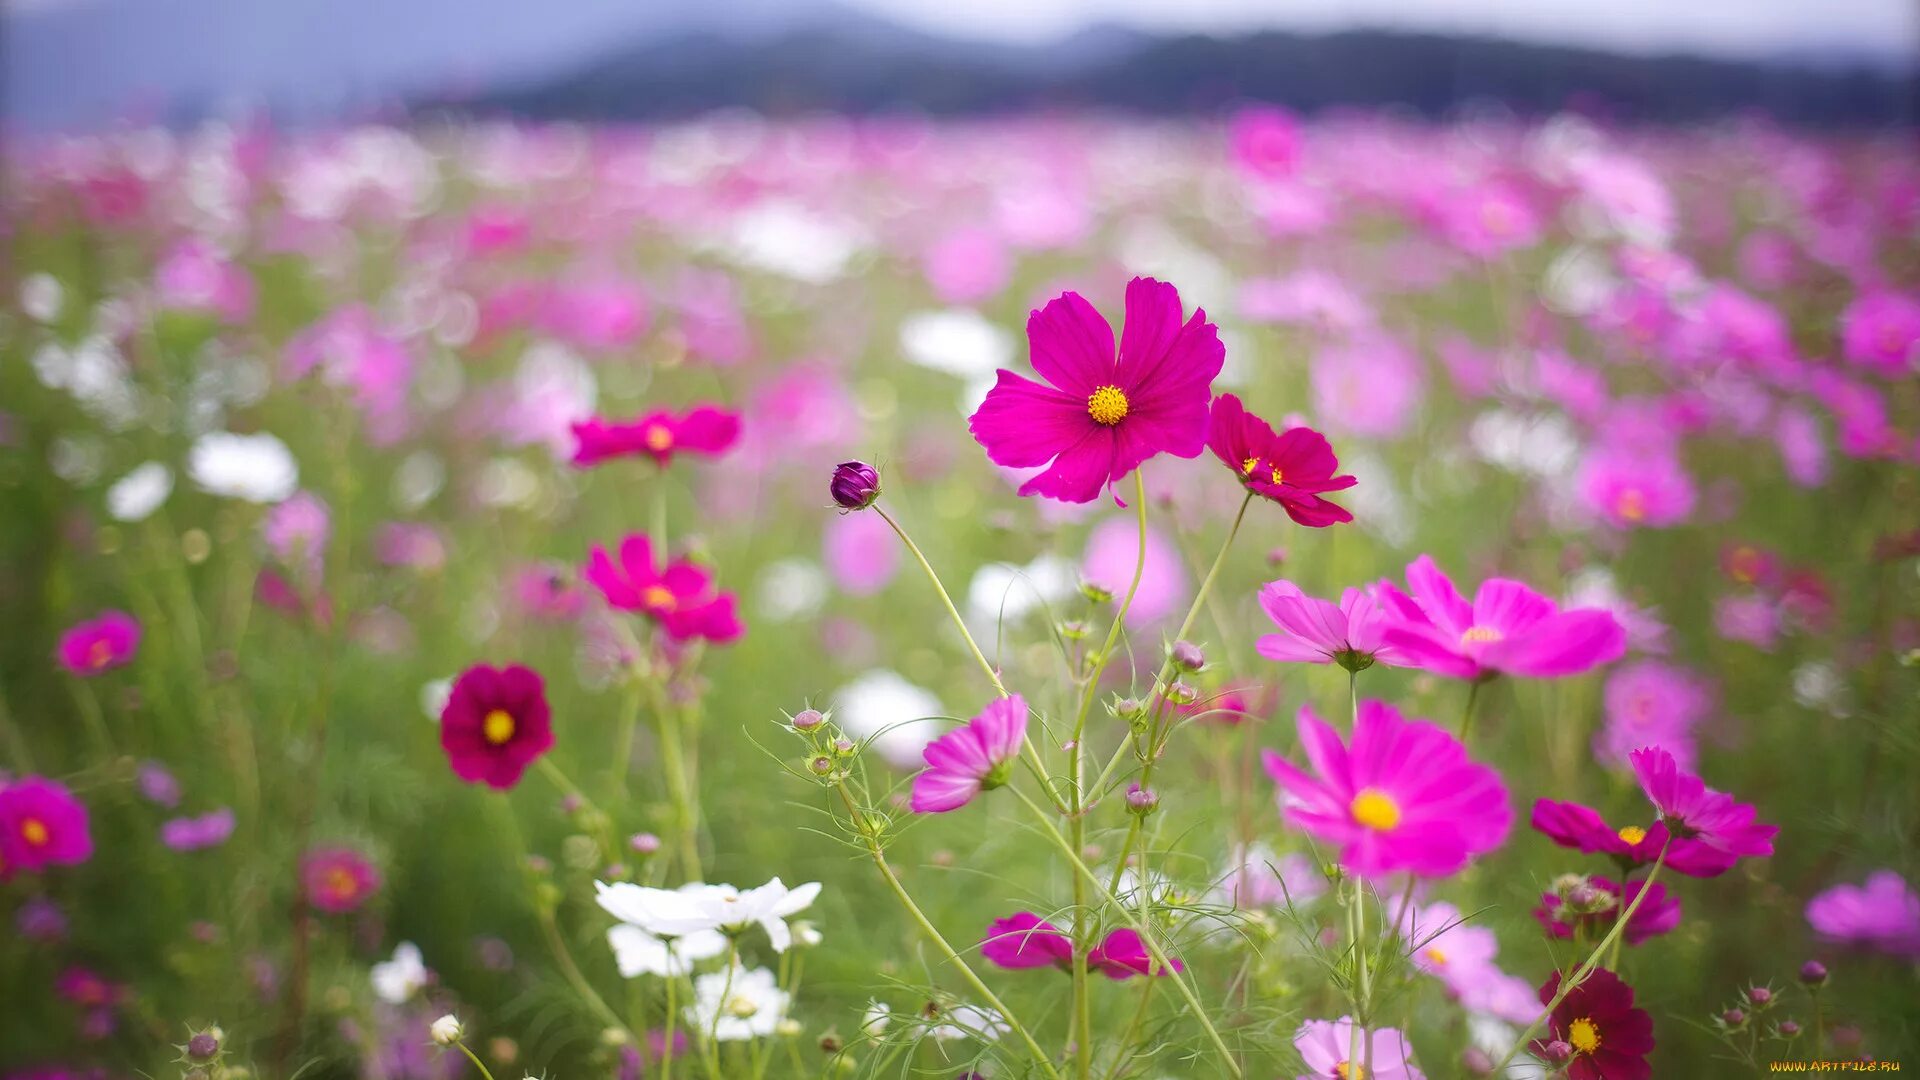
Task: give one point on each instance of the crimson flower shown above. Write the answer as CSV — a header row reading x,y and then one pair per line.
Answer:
x,y
1293,468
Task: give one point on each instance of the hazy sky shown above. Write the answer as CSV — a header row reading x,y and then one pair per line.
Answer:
x,y
1739,27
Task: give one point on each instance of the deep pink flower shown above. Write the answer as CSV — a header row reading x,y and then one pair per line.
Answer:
x,y
1122,955
1749,564
1636,489
1581,828
964,762
100,644
1610,1038
41,825
1318,632
1652,703
1692,810
1293,468
1404,797
706,429
1103,414
1264,141
1323,1046
1025,940
496,723
1883,914
194,833
1508,629
680,597
338,879
89,989
1658,914
1880,331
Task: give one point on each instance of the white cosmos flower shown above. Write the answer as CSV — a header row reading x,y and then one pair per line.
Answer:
x,y
637,952
257,468
873,1022
139,493
958,341
446,1031
897,715
738,1004
970,1022
41,296
398,979
767,907
434,697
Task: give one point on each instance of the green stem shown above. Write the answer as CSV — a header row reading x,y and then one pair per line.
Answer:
x,y
667,1053
1568,985
726,991
952,611
1466,715
920,919
623,746
673,761
477,1063
571,971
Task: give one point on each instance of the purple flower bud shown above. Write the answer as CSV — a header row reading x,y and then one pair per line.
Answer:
x,y
855,485
1188,657
1733,1017
1142,800
571,804
1789,1028
644,843
1759,995
1476,1061
1813,973
203,1046
1558,1051
808,719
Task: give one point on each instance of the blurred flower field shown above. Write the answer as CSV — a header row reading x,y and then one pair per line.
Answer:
x,y
1265,598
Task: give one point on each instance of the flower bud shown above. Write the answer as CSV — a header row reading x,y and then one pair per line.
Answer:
x,y
787,1028
1182,693
1476,1062
644,843
1127,708
1733,1017
1096,592
1813,973
808,719
1789,1028
1141,800
821,765
446,1031
1188,657
203,1046
1557,1052
855,485
1760,995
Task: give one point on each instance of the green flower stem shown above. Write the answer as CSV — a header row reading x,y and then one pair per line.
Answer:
x,y
1139,926
1466,715
477,1063
680,783
571,972
879,857
1568,985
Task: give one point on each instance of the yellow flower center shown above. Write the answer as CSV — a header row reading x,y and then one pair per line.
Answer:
x,y
498,727
1631,504
1107,405
34,832
1375,809
1480,635
1632,834
341,884
658,438
100,655
1349,1071
741,1006
1746,565
658,596
1249,465
1584,1035
1437,957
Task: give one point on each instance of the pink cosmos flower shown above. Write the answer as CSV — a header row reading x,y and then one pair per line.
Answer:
x,y
1122,955
967,265
1880,330
1103,414
1658,914
600,316
1293,468
296,531
1749,564
1113,550
1323,1046
1025,940
1370,386
1405,796
100,644
41,825
194,833
496,723
414,545
89,989
1883,914
547,591
1692,810
1581,828
1803,445
338,879
349,350
195,277
1264,141
1631,489
1489,219
1748,617
1443,944
680,597
1652,703
707,430
972,759
1508,629
1318,632
860,552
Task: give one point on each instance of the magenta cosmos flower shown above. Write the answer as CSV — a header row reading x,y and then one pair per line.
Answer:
x,y
1581,828
1652,703
1658,914
1508,629
972,759
1610,1038
100,644
1881,331
1405,796
1293,468
1323,1046
680,597
1883,914
495,724
1316,631
1692,810
707,430
1103,413
1025,940
41,825
338,879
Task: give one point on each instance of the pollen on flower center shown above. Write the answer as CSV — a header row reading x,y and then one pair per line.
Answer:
x,y
659,438
1480,635
1375,809
658,596
1348,1071
1632,834
1437,956
34,832
341,884
497,727
741,1006
1107,405
100,655
1584,1035
1631,504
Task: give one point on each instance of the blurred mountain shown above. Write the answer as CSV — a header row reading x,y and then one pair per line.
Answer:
x,y
82,63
